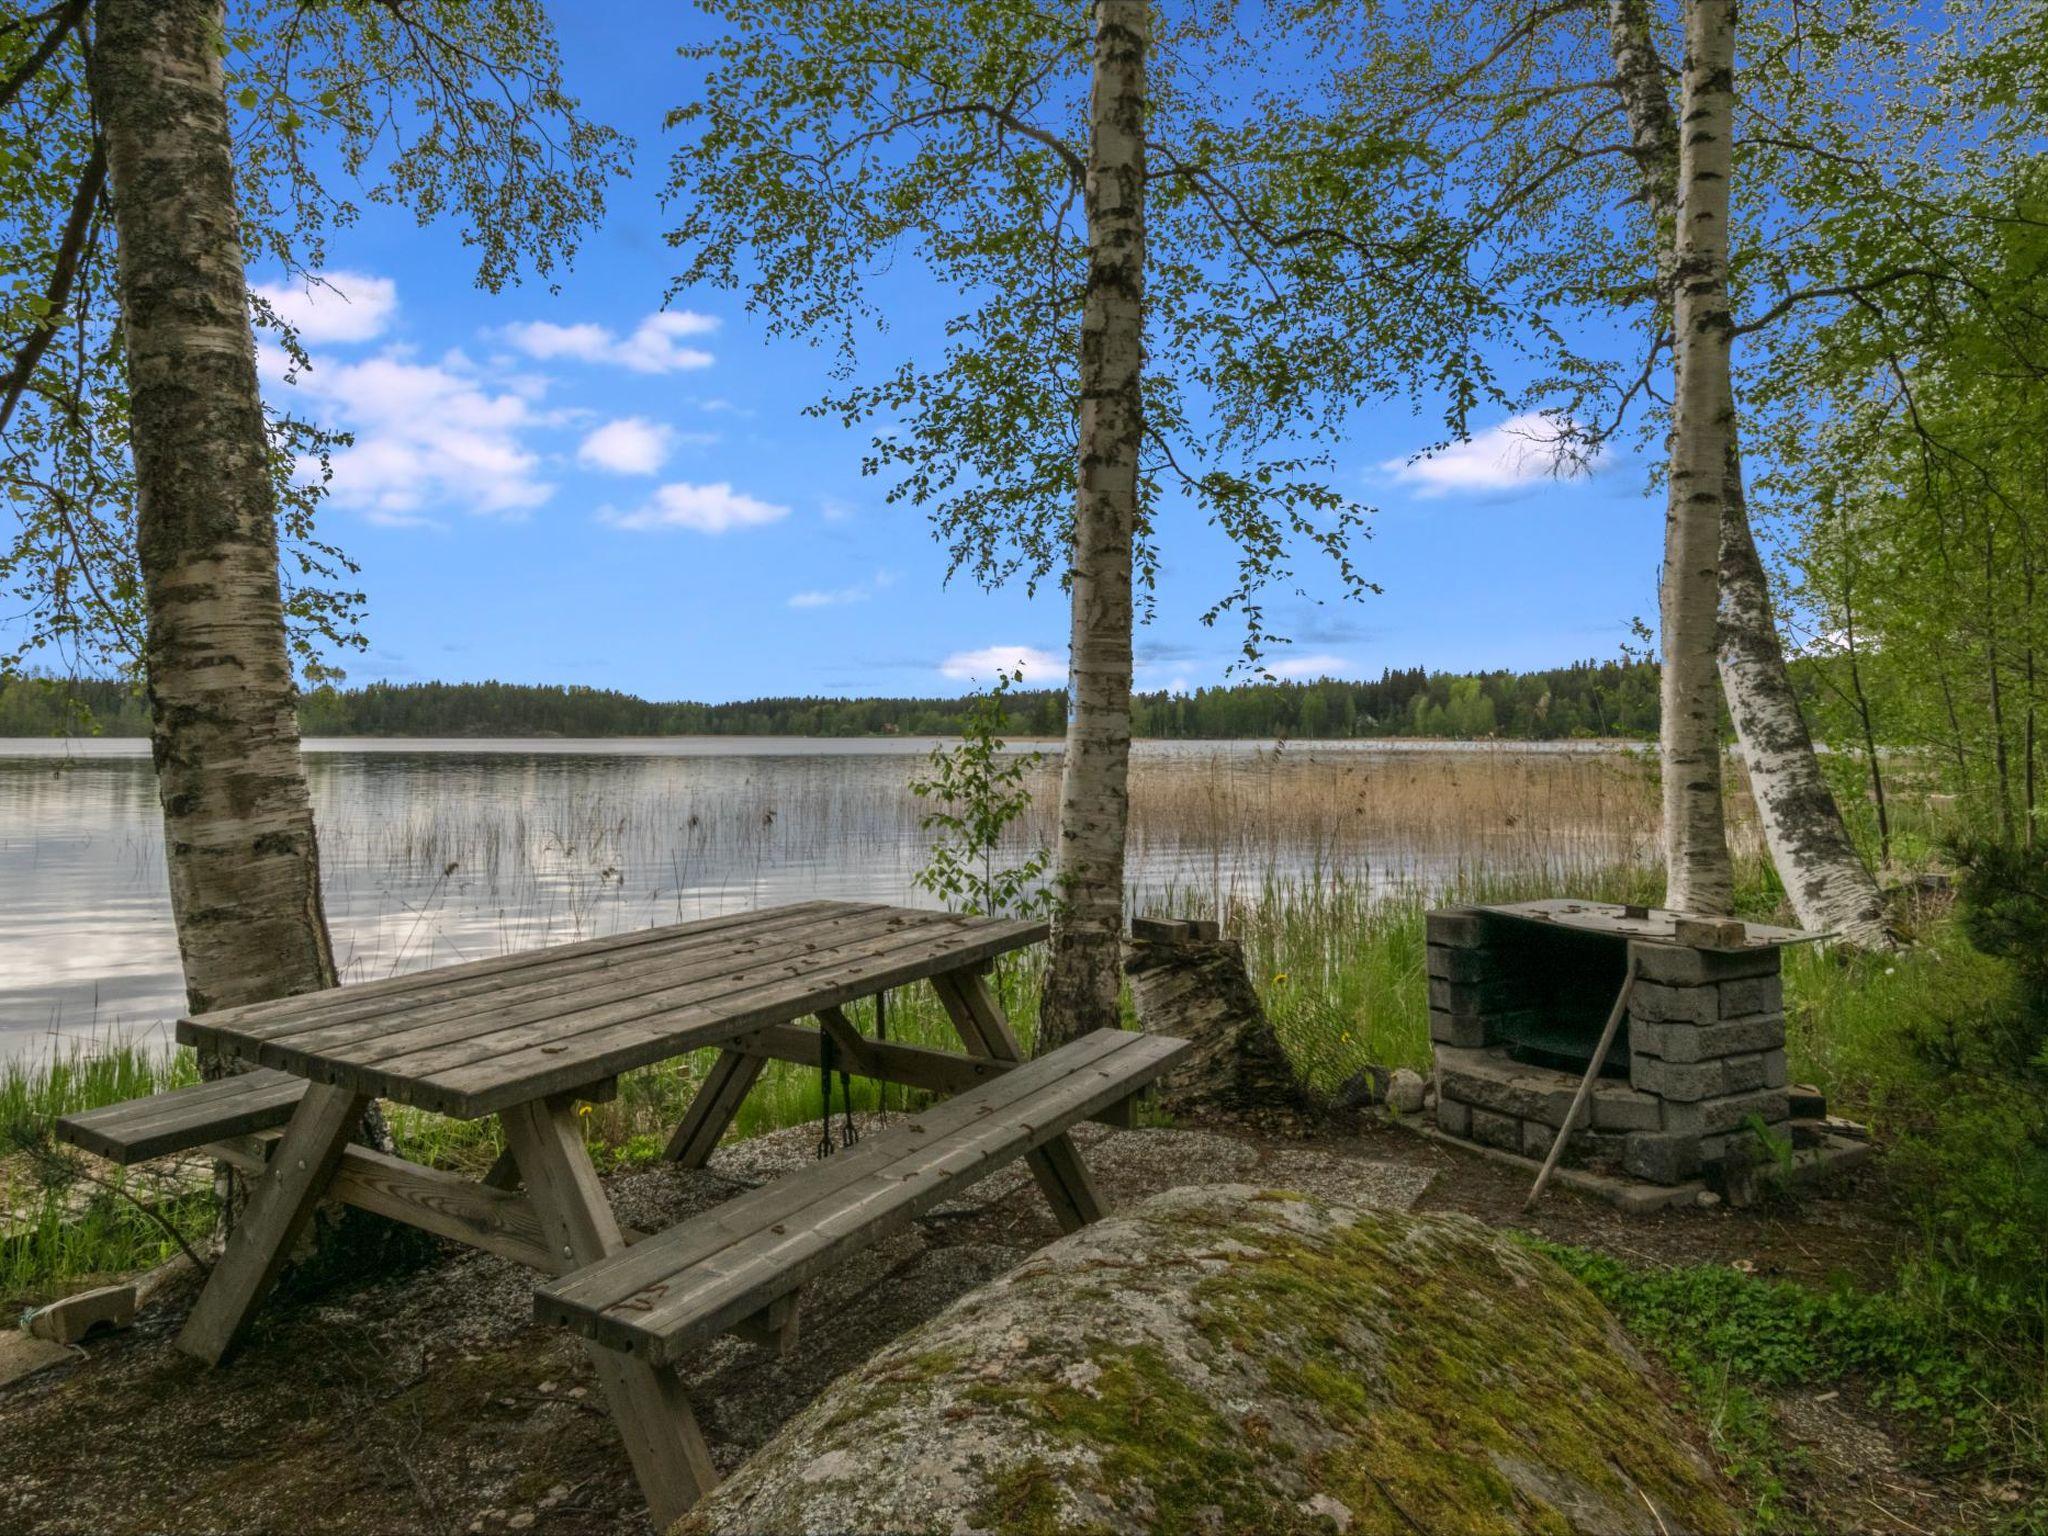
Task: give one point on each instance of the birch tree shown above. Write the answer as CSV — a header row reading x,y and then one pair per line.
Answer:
x,y
1839,204
1699,874
238,818
152,491
1086,977
1165,301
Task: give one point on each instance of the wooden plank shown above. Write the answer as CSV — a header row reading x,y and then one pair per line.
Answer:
x,y
737,1281
774,1327
280,1202
366,1048
665,1317
667,1449
379,1026
249,1017
887,1061
182,1118
1062,1177
445,1204
704,1235
712,1108
712,973
541,1058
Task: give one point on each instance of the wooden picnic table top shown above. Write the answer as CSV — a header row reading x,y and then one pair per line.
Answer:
x,y
469,1040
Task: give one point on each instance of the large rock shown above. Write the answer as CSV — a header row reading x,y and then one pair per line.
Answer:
x,y
1225,1359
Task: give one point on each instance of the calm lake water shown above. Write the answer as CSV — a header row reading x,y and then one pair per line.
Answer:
x,y
440,851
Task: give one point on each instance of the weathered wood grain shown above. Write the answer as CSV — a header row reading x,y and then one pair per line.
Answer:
x,y
669,1456
384,1027
182,1118
281,1200
768,1244
386,990
717,1100
539,1058
704,1235
1062,1177
446,1204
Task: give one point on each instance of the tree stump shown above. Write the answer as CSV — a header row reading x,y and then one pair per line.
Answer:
x,y
1192,984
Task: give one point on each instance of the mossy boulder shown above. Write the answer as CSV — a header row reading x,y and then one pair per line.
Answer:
x,y
1226,1359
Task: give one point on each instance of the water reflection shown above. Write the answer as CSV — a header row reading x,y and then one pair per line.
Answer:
x,y
435,852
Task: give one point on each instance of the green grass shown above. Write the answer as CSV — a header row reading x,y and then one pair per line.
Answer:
x,y
1954,1344
60,1229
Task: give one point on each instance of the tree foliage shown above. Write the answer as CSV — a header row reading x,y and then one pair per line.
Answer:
x,y
1298,265
452,108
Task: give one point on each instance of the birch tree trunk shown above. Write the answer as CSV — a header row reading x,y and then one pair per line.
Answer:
x,y
1082,990
1830,886
238,820
1699,874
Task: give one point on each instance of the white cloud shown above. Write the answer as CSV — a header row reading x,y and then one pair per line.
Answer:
x,y
1041,668
425,434
654,345
334,306
833,597
833,510
632,445
701,508
1314,665
1505,457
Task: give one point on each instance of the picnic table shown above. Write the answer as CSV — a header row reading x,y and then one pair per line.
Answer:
x,y
527,1036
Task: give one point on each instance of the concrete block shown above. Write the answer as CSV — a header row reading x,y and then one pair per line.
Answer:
x,y
1460,964
1455,927
1493,1080
1705,1042
1745,1073
1775,1071
1709,1117
1496,1130
1695,967
1536,1140
1657,1002
1491,996
1753,994
1453,1118
1683,1081
1660,1158
1616,1108
69,1320
1459,1030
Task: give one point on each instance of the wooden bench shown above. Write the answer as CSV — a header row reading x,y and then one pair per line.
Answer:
x,y
136,1130
740,1264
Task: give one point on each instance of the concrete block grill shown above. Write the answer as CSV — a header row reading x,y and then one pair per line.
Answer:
x,y
1517,997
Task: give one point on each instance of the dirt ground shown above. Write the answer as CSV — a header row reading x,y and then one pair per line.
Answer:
x,y
431,1403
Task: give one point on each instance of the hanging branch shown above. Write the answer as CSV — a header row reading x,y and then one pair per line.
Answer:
x,y
62,276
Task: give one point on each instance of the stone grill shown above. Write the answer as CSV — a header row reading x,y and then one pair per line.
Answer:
x,y
1517,998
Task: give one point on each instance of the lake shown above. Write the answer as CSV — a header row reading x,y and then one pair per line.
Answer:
x,y
440,851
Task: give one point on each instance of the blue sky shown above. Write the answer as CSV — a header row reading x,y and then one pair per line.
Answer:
x,y
582,488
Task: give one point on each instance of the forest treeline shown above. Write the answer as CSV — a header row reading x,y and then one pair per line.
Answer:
x,y
1587,698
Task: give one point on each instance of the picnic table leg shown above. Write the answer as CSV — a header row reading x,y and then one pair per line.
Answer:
x,y
653,1416
712,1110
986,1032
281,1200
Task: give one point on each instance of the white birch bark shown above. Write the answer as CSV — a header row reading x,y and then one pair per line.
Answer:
x,y
238,819
1699,874
1082,989
1829,885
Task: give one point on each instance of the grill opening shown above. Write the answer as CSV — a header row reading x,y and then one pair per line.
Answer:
x,y
1558,984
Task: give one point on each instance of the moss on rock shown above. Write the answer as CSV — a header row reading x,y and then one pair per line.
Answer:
x,y
1227,1359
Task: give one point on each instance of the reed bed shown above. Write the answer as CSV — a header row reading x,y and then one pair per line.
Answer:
x,y
1322,861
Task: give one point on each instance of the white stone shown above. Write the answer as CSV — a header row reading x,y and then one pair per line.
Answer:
x,y
1404,1091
